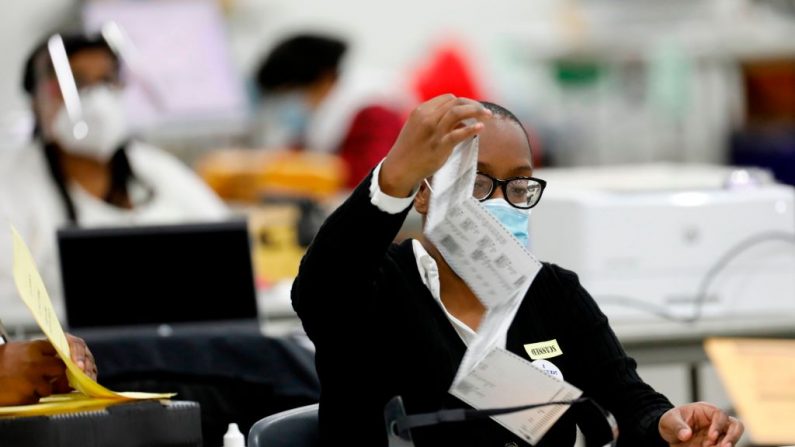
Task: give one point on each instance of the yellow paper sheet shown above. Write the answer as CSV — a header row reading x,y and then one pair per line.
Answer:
x,y
31,289
759,375
59,404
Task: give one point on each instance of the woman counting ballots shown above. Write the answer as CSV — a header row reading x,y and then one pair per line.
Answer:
x,y
394,319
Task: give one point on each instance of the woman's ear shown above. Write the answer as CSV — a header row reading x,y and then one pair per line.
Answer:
x,y
422,200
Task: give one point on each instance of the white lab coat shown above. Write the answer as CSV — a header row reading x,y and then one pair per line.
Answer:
x,y
30,201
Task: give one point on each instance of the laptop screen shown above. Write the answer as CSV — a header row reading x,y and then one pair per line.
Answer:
x,y
154,275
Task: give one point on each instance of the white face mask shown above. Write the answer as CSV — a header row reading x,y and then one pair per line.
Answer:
x,y
107,127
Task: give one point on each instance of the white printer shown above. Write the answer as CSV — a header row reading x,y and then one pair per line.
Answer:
x,y
646,239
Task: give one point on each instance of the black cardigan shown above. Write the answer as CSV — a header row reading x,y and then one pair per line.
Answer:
x,y
379,333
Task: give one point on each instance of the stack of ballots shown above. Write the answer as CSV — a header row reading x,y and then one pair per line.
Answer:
x,y
92,415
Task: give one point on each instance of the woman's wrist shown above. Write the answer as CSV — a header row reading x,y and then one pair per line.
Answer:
x,y
393,180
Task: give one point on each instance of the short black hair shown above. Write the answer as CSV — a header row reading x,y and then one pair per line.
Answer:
x,y
299,61
73,43
499,111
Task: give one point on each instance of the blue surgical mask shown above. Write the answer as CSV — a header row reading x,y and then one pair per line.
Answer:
x,y
515,220
283,120
294,113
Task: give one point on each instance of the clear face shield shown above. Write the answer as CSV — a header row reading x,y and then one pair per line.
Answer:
x,y
68,87
91,121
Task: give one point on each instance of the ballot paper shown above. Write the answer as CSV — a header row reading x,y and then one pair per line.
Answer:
x,y
59,403
33,293
493,263
499,270
503,379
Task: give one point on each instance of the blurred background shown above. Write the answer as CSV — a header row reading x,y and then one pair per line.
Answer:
x,y
679,114
597,82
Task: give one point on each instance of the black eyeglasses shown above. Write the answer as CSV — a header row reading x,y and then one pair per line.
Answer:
x,y
520,192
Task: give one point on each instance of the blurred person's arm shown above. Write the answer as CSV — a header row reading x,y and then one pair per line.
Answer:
x,y
371,135
177,184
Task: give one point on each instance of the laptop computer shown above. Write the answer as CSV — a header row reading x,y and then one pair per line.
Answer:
x,y
166,276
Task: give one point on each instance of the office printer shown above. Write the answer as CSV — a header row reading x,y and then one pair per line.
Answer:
x,y
671,241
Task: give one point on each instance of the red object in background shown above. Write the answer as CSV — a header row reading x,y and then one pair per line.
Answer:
x,y
447,71
770,92
371,135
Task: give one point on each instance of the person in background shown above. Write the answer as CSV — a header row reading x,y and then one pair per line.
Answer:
x,y
104,179
310,102
30,370
395,319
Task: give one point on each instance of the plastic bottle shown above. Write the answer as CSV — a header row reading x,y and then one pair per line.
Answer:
x,y
233,437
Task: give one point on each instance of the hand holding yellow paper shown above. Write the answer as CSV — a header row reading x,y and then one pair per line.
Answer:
x,y
60,403
31,289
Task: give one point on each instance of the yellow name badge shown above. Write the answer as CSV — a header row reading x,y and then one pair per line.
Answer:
x,y
543,350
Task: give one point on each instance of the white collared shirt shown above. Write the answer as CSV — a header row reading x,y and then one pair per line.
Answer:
x,y
426,265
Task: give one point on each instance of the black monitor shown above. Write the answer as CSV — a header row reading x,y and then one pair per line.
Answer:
x,y
157,275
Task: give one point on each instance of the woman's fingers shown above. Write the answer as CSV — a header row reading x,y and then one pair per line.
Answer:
x,y
50,367
42,347
719,425
42,387
79,352
733,434
464,109
435,104
61,385
461,134
427,139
